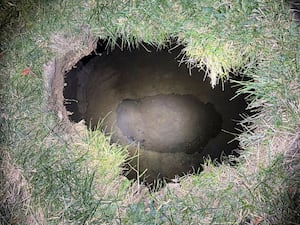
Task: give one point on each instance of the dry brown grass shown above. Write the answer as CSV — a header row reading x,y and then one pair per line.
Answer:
x,y
15,195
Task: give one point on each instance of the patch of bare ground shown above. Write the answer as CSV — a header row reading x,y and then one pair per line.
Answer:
x,y
292,166
54,70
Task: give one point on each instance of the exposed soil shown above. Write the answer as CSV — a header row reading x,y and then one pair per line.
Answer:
x,y
168,123
149,101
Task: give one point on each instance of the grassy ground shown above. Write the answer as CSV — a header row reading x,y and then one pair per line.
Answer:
x,y
49,177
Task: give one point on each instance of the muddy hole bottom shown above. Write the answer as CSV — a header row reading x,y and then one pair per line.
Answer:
x,y
168,123
169,119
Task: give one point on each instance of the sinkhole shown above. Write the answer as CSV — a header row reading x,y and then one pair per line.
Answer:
x,y
168,115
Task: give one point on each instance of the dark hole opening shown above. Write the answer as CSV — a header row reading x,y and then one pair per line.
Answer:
x,y
170,118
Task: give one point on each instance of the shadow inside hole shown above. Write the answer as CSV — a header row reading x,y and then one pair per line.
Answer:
x,y
170,119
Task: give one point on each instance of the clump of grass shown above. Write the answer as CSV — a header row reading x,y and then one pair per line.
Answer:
x,y
78,181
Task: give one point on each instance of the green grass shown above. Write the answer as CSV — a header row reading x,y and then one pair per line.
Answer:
x,y
76,179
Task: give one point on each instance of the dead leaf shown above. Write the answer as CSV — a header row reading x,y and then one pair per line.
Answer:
x,y
258,220
26,71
